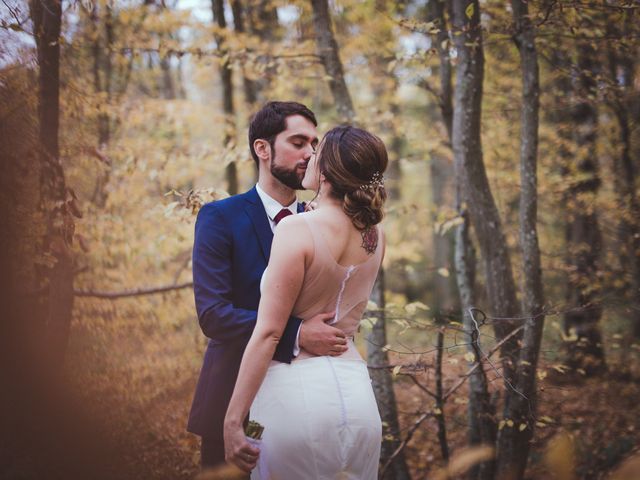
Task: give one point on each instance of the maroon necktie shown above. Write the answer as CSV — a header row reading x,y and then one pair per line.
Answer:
x,y
285,212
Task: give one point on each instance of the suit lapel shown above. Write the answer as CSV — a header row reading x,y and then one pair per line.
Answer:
x,y
254,208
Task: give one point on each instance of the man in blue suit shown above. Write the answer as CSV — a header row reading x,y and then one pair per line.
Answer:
x,y
230,252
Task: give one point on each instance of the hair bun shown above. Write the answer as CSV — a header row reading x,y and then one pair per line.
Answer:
x,y
364,206
353,161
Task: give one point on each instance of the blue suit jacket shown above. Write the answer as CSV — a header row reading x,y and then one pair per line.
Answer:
x,y
230,252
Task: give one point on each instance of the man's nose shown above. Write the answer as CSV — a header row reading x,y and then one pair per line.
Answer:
x,y
308,152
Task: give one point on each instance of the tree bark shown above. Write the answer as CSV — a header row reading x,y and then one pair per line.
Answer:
x,y
470,169
582,230
481,412
622,66
328,52
520,405
383,389
226,79
250,90
47,19
441,168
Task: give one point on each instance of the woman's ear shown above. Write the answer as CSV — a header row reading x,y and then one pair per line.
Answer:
x,y
262,148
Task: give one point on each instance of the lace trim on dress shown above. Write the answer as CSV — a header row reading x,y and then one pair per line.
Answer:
x,y
341,292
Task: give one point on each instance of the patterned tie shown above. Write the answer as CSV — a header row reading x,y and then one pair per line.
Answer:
x,y
285,212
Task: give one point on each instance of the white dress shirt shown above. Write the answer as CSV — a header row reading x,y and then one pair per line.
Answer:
x,y
273,207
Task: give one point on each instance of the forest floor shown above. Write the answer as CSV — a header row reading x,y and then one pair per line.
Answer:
x,y
140,391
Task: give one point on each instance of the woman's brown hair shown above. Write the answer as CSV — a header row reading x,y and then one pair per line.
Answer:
x,y
353,160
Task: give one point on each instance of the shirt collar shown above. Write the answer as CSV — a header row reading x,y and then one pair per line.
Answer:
x,y
271,206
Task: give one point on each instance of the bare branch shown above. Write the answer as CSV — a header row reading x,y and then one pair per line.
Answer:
x,y
131,293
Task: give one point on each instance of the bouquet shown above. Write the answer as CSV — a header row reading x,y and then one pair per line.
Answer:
x,y
253,433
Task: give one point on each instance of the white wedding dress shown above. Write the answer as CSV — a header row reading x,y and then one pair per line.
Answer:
x,y
320,417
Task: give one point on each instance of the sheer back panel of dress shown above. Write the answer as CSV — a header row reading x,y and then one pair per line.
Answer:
x,y
329,286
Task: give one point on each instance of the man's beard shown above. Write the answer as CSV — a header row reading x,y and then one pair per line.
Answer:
x,y
288,177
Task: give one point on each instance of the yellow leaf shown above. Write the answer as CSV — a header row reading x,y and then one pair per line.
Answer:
x,y
501,425
469,11
470,357
510,423
396,370
437,411
443,272
522,426
413,307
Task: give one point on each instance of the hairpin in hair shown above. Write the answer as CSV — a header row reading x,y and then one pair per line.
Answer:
x,y
377,181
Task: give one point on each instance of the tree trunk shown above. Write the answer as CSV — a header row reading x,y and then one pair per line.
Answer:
x,y
470,169
226,79
520,405
436,13
250,91
622,66
102,67
328,52
262,19
47,17
441,168
168,87
582,229
481,412
383,388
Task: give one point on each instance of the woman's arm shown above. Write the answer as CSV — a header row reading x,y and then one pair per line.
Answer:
x,y
283,281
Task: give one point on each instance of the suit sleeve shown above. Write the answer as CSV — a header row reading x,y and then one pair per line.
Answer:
x,y
212,280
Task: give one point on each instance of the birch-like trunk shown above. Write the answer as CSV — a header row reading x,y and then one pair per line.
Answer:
x,y
520,404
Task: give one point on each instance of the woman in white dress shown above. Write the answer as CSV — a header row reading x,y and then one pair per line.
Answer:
x,y
319,413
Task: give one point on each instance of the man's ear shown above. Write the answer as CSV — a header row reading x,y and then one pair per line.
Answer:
x,y
262,148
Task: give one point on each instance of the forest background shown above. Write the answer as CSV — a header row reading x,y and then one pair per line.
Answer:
x,y
503,336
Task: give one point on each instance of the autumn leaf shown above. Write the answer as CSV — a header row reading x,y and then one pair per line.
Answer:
x,y
469,10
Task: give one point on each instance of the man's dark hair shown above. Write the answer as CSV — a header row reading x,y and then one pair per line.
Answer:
x,y
272,119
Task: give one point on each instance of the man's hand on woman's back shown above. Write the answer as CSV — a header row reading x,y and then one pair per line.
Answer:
x,y
319,338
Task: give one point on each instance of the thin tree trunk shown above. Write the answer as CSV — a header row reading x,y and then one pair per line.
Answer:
x,y
441,168
383,389
328,52
168,87
47,18
250,92
582,229
436,14
262,19
231,173
520,405
622,66
470,169
481,412
102,64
